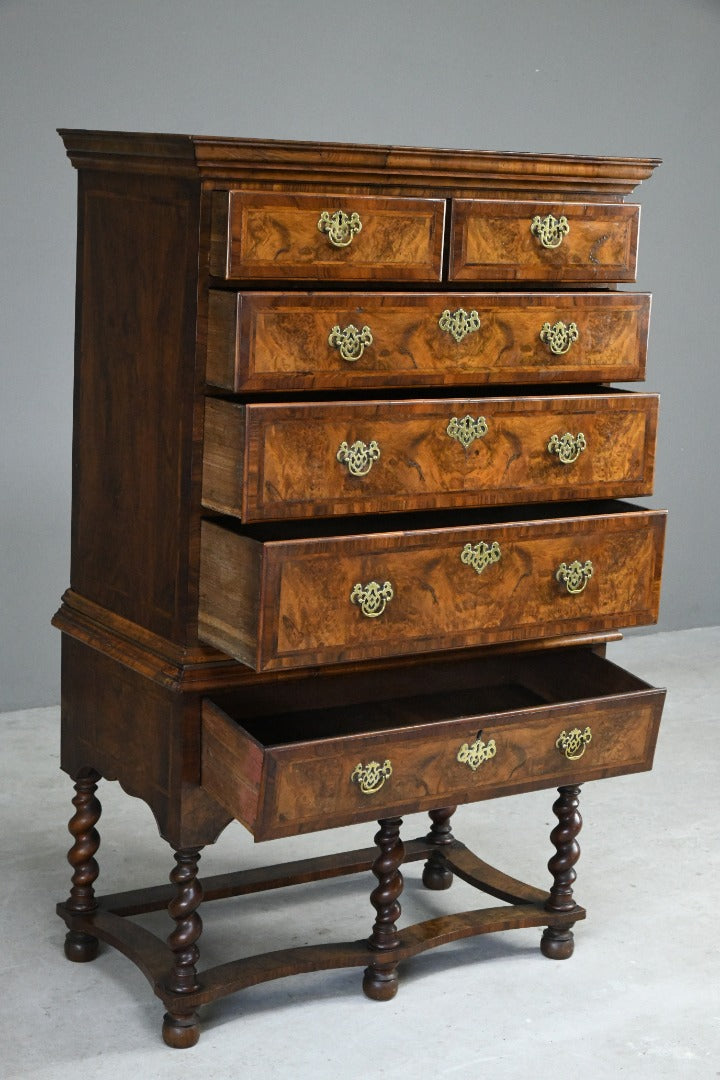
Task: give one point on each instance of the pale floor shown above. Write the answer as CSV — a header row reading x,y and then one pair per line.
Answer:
x,y
639,999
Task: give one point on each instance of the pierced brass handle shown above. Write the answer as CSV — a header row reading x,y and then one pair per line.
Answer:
x,y
459,323
549,230
371,777
351,342
372,598
339,226
467,430
573,744
359,457
568,447
575,576
559,337
475,754
480,556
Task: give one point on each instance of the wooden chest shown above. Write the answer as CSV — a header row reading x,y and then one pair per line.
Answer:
x,y
346,537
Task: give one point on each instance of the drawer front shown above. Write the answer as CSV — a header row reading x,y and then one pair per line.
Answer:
x,y
261,235
296,603
536,241
286,789
266,341
271,462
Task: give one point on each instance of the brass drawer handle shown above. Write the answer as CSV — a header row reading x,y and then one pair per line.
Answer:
x,y
549,230
568,447
459,323
480,556
575,576
339,226
559,337
477,753
359,457
351,342
372,598
372,776
573,744
467,430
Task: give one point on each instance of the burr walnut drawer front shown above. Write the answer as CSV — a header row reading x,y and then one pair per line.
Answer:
x,y
296,595
475,731
301,341
279,461
494,240
263,235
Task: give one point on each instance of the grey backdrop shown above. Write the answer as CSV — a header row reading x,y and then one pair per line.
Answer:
x,y
636,77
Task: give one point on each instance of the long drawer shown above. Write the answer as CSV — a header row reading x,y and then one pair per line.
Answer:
x,y
279,461
304,341
293,596
494,240
264,235
438,735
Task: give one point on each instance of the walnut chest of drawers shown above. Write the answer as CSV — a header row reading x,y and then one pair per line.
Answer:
x,y
346,537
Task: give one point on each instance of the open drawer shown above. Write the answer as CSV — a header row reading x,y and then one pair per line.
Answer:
x,y
377,747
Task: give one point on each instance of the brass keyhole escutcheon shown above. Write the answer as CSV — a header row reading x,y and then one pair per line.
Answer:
x,y
459,323
477,753
480,555
467,429
339,227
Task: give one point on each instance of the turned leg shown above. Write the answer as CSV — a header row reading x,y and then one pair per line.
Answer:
x,y
436,873
380,981
81,947
558,944
181,1028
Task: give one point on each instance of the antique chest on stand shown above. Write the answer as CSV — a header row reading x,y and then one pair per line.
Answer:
x,y
345,537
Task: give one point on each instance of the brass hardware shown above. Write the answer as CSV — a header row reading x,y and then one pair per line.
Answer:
x,y
339,226
575,576
480,555
467,430
559,337
372,597
351,342
372,776
459,323
359,457
476,753
549,230
567,447
573,744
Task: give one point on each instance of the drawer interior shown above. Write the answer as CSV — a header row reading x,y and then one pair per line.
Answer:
x,y
302,710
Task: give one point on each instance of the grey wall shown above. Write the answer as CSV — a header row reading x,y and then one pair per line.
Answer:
x,y
636,77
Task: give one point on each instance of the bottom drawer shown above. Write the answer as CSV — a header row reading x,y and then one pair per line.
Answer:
x,y
317,753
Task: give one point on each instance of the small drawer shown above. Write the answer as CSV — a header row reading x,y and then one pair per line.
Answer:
x,y
536,241
261,235
301,341
296,595
479,729
265,462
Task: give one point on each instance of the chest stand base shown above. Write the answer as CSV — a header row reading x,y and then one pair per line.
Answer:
x,y
171,967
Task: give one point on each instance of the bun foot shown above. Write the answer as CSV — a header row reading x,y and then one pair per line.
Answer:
x,y
557,944
380,985
79,947
180,1032
436,876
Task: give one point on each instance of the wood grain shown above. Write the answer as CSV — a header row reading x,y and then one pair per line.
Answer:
x,y
258,235
305,615
279,341
307,779
270,462
491,241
